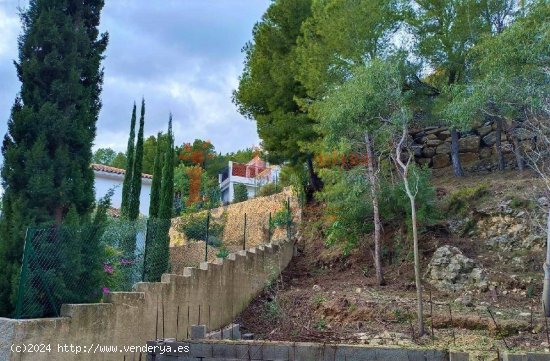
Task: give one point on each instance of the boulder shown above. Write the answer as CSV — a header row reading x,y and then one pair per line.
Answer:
x,y
444,135
441,161
428,152
444,148
449,271
469,144
436,130
483,131
431,137
485,153
433,142
470,157
490,138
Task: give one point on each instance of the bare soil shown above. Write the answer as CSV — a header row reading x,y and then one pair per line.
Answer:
x,y
326,297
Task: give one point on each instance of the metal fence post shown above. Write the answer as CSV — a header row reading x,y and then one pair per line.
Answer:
x,y
206,240
145,247
288,219
244,233
23,275
269,229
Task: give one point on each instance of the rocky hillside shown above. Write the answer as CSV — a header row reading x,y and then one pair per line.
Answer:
x,y
482,277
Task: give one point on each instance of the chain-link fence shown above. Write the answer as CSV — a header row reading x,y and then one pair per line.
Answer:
x,y
213,234
80,264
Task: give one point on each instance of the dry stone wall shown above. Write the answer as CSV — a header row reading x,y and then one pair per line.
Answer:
x,y
432,146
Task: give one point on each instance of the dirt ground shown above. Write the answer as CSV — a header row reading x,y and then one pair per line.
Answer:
x,y
326,297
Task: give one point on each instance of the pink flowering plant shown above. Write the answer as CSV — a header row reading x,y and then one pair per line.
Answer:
x,y
116,270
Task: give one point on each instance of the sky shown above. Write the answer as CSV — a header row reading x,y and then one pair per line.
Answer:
x,y
182,56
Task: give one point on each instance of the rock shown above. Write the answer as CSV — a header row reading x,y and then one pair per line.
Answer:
x,y
316,288
449,270
466,300
490,139
444,135
469,144
466,158
430,137
417,150
441,161
424,161
485,153
444,148
433,142
428,152
436,130
483,131
358,290
523,134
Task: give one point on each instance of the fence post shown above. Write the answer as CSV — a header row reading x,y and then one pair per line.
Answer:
x,y
23,276
206,240
288,219
145,247
269,228
244,233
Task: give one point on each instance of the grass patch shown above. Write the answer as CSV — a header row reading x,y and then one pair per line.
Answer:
x,y
460,201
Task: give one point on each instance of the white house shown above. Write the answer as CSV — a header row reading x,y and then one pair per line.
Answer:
x,y
253,175
106,177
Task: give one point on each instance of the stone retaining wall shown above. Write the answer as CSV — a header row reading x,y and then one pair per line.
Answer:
x,y
210,350
432,146
212,294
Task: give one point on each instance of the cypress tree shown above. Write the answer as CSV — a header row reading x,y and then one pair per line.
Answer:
x,y
127,184
48,147
159,251
135,192
157,179
167,188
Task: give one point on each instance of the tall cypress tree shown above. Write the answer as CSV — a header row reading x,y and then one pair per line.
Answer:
x,y
167,188
127,184
159,254
154,205
48,147
135,192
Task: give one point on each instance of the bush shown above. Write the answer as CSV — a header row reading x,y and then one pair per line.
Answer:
x,y
193,225
241,193
270,189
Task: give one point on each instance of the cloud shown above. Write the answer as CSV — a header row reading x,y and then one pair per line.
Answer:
x,y
183,56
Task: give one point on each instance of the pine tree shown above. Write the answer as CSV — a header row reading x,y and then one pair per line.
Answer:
x,y
127,184
135,192
47,150
157,179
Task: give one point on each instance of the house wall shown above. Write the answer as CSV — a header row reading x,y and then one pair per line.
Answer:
x,y
221,289
103,181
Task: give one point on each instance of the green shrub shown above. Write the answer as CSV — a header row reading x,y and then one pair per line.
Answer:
x,y
269,189
241,193
460,201
223,252
193,225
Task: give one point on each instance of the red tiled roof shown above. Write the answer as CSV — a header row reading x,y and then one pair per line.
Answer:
x,y
108,169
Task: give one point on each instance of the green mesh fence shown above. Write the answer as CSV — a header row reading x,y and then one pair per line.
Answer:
x,y
70,264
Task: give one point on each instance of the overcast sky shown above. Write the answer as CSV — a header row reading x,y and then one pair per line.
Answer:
x,y
183,56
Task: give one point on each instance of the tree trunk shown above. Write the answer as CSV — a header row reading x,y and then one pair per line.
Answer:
x,y
498,145
457,167
517,152
417,279
315,181
546,284
412,198
373,179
